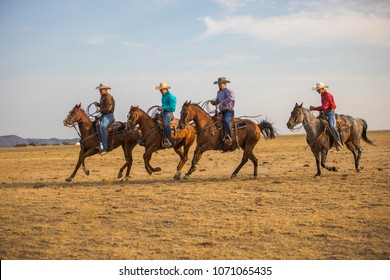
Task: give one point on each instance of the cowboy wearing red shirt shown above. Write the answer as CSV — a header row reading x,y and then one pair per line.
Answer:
x,y
328,107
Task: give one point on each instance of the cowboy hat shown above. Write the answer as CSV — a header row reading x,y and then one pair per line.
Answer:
x,y
319,85
221,80
103,86
162,86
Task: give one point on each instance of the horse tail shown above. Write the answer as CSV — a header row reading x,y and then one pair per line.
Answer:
x,y
364,134
267,129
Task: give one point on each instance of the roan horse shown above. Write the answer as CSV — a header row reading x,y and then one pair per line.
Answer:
x,y
209,136
152,137
320,141
89,140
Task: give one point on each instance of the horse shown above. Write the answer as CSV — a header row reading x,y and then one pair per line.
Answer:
x,y
209,135
89,140
152,138
320,140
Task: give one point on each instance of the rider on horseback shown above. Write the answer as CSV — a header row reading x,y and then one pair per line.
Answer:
x,y
107,107
168,101
225,101
328,107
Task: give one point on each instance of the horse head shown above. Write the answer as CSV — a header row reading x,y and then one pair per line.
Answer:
x,y
74,115
296,117
133,116
185,116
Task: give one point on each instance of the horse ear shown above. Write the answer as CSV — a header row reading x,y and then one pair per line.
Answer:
x,y
296,104
79,106
301,105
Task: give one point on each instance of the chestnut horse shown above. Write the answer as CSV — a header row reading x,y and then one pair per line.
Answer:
x,y
319,140
152,137
209,135
89,140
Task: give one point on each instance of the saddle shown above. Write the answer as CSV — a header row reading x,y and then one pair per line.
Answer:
x,y
343,124
113,127
235,124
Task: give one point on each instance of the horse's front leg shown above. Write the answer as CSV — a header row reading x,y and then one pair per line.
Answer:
x,y
197,156
324,156
183,160
317,157
82,156
85,168
147,157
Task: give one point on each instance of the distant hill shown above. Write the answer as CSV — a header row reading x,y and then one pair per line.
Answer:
x,y
14,140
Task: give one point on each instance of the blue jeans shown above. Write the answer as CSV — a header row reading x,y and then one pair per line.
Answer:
x,y
167,116
105,121
227,117
332,122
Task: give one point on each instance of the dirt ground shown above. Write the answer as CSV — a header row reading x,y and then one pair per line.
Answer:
x,y
283,214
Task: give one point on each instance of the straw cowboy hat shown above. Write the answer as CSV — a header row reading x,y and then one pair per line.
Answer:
x,y
319,85
221,80
162,86
103,86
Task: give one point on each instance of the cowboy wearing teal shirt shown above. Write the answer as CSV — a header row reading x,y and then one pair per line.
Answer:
x,y
168,101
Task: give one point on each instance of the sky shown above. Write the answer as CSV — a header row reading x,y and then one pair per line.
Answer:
x,y
54,53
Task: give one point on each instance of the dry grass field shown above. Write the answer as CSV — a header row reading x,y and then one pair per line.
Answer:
x,y
283,214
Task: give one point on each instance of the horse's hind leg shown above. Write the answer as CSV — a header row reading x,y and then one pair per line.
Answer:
x,y
248,154
357,156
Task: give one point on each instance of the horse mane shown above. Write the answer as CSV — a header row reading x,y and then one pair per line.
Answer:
x,y
195,104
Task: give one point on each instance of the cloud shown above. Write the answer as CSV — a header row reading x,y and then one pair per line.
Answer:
x,y
305,29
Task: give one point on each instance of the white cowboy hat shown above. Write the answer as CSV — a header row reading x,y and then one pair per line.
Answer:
x,y
221,80
162,86
103,86
319,85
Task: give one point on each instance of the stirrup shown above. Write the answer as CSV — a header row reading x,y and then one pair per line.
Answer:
x,y
228,140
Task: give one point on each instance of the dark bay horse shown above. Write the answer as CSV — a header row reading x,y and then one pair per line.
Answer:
x,y
89,140
152,136
320,141
209,136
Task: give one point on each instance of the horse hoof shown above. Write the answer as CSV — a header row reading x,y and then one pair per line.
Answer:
x,y
186,176
177,176
120,175
68,179
157,169
317,175
233,176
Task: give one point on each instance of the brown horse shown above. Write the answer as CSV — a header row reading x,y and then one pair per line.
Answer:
x,y
319,139
209,135
89,140
152,137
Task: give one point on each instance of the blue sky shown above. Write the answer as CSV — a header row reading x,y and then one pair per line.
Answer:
x,y
54,53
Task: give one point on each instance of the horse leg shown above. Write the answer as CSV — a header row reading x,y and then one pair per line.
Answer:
x,y
324,155
147,157
317,157
197,156
248,153
183,160
129,158
85,168
353,148
82,156
254,160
